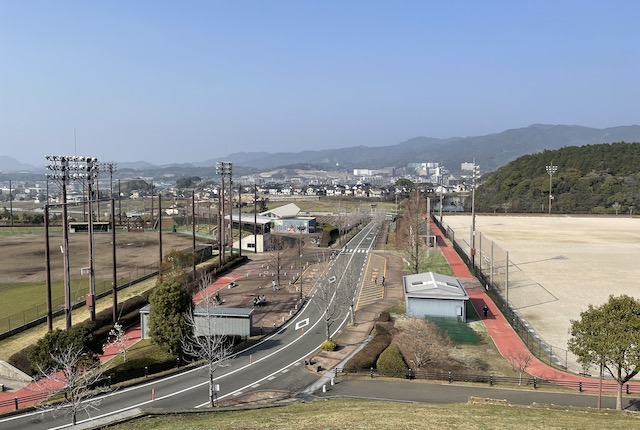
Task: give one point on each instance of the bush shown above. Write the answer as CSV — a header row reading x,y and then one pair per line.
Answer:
x,y
384,317
329,235
329,345
391,362
21,361
367,357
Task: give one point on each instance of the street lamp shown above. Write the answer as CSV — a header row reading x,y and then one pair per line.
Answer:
x,y
551,169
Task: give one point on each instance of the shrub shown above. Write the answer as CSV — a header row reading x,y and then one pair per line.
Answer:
x,y
368,356
21,361
384,317
329,235
391,362
329,345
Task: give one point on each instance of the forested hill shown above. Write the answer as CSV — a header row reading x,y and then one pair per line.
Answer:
x,y
603,178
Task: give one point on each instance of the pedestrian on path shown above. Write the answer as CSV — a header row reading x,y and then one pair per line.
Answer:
x,y
375,280
485,310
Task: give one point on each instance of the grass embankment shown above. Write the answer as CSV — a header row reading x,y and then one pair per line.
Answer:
x,y
15,343
141,354
365,414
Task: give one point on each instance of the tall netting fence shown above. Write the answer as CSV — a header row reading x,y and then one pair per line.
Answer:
x,y
510,289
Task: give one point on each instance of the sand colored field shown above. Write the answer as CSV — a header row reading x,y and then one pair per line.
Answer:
x,y
558,265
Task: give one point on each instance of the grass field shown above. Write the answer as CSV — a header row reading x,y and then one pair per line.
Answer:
x,y
364,414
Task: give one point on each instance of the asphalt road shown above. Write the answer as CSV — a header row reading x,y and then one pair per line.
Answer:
x,y
268,362
441,392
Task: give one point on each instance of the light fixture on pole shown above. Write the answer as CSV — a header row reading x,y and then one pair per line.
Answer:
x,y
89,167
551,169
476,170
61,167
223,169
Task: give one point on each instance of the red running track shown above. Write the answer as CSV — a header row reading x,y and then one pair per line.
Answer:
x,y
505,338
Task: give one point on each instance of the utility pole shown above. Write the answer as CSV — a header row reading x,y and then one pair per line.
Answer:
x,y
159,228
240,220
92,172
255,218
193,229
219,228
10,203
114,282
119,204
47,265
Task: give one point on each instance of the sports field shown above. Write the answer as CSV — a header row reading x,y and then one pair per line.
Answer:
x,y
558,265
22,267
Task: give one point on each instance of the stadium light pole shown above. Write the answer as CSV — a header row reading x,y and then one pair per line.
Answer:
x,y
551,169
61,166
476,169
225,168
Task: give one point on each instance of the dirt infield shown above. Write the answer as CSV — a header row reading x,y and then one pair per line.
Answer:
x,y
559,265
23,256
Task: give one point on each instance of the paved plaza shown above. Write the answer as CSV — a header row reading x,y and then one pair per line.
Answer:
x,y
558,265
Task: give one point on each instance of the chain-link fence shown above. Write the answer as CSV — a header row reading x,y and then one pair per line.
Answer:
x,y
510,289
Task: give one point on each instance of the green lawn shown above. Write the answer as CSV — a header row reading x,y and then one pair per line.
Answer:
x,y
435,263
364,414
24,302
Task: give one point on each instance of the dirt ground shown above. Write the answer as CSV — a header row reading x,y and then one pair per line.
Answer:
x,y
23,256
558,265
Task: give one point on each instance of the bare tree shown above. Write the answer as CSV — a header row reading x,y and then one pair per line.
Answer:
x,y
413,231
74,374
118,338
520,361
421,342
335,291
616,207
207,340
281,251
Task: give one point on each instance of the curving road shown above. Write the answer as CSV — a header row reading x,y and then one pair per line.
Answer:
x,y
269,361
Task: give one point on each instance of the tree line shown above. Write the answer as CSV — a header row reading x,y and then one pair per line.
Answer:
x,y
602,178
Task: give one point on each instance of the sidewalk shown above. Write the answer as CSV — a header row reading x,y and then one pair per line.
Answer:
x,y
250,280
505,338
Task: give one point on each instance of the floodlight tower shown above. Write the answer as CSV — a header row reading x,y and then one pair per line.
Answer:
x,y
224,168
59,165
476,170
551,169
64,168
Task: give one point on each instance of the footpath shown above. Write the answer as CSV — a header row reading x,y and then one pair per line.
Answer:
x,y
254,279
506,339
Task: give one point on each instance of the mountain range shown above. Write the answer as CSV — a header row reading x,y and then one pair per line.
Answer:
x,y
490,151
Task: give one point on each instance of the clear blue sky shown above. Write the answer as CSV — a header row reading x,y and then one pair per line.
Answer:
x,y
178,81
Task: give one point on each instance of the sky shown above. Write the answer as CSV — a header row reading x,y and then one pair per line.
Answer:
x,y
180,81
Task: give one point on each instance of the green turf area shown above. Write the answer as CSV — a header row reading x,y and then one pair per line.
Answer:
x,y
434,263
364,414
457,330
25,302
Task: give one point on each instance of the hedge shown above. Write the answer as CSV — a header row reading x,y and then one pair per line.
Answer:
x,y
391,362
367,357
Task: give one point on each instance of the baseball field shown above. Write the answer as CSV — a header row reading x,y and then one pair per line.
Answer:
x,y
558,265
